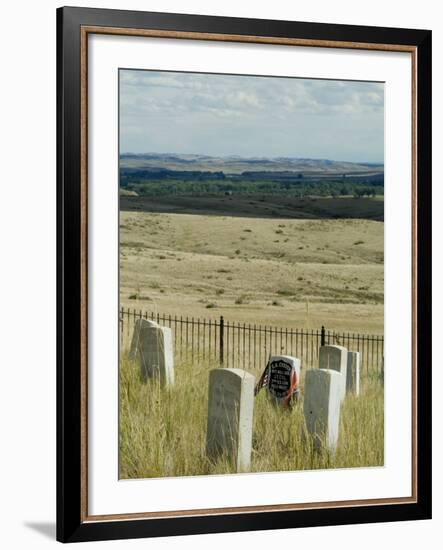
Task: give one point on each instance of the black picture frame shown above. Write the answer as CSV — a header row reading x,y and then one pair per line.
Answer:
x,y
72,523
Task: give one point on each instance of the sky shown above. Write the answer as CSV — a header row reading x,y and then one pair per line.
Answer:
x,y
250,116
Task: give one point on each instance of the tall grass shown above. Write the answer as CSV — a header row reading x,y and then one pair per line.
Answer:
x,y
163,431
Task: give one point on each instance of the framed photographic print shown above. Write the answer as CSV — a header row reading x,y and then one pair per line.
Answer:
x,y
244,274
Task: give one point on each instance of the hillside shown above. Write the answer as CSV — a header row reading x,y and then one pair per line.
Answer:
x,y
237,165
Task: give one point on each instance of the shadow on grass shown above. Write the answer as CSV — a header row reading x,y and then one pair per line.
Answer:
x,y
258,206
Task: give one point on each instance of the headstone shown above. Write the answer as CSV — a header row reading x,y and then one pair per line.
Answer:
x,y
154,350
322,398
230,414
134,349
283,379
353,373
335,358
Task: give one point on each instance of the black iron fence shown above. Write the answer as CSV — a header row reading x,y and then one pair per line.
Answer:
x,y
247,346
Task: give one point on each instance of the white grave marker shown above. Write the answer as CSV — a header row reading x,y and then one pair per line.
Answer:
x,y
152,345
134,349
230,414
283,379
322,398
335,358
353,373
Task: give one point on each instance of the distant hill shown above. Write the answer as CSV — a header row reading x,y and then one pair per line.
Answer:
x,y
172,174
253,165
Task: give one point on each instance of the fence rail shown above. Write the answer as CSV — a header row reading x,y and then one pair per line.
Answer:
x,y
247,346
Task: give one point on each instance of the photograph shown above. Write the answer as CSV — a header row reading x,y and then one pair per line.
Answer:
x,y
251,273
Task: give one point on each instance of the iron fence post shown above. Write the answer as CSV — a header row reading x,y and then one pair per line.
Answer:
x,y
222,339
238,348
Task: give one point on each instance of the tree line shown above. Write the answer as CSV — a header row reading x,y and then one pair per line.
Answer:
x,y
298,188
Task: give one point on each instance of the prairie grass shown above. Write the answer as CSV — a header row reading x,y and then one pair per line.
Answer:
x,y
314,259
163,431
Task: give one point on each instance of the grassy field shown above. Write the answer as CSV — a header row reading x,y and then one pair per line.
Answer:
x,y
278,262
163,431
297,263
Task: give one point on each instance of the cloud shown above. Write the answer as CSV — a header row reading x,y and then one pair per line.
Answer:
x,y
145,92
204,107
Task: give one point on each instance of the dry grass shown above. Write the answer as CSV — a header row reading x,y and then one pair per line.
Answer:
x,y
251,262
313,268
163,431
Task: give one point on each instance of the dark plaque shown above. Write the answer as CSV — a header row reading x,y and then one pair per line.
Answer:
x,y
280,378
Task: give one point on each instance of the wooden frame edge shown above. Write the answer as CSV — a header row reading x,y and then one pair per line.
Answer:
x,y
414,267
84,273
204,512
282,41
